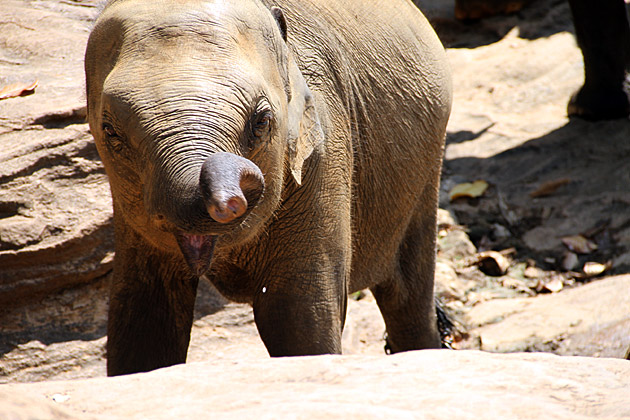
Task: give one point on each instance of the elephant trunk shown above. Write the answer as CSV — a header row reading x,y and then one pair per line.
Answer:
x,y
230,184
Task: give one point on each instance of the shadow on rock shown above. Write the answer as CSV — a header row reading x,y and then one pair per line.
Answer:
x,y
571,181
539,19
77,314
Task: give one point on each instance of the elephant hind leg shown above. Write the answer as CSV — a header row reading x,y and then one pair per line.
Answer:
x,y
406,299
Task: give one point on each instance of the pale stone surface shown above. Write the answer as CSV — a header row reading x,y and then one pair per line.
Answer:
x,y
434,384
22,406
509,325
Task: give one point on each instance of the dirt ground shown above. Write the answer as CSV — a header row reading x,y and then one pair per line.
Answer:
x,y
549,178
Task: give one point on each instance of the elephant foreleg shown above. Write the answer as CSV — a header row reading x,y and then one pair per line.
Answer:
x,y
301,316
152,299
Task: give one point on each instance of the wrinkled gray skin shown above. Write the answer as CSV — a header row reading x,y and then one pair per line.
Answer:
x,y
289,155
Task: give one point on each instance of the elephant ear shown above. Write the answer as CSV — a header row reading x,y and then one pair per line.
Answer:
x,y
304,129
278,15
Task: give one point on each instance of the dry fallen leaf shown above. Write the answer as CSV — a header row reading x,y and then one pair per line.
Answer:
x,y
579,244
549,187
594,268
18,89
555,285
468,189
493,263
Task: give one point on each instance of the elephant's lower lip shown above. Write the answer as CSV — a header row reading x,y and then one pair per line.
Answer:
x,y
197,250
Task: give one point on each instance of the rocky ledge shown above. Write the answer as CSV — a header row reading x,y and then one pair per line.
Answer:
x,y
430,384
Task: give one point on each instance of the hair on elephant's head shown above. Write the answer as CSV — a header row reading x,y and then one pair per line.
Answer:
x,y
198,111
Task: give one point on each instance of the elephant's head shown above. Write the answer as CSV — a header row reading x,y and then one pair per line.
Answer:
x,y
198,111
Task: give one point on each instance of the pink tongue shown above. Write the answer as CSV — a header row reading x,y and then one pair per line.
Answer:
x,y
197,251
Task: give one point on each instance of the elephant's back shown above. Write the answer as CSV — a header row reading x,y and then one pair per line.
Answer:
x,y
385,75
384,46
376,61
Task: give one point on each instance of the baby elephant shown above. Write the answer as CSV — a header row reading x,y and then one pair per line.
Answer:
x,y
287,151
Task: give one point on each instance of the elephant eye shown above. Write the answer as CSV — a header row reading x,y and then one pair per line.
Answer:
x,y
109,130
261,124
112,137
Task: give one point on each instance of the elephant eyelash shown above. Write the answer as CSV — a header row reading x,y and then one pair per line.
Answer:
x,y
261,123
109,131
114,140
260,126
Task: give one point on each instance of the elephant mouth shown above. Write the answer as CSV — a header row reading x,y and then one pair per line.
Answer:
x,y
197,250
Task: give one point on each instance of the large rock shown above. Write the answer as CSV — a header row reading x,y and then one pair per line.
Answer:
x,y
593,319
55,207
434,384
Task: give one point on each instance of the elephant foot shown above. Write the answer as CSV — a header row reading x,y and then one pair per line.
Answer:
x,y
478,9
599,104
